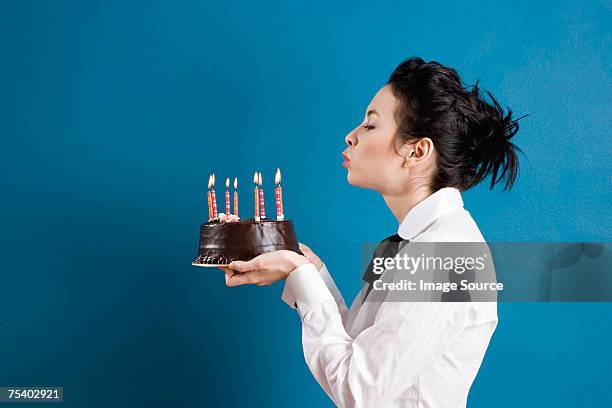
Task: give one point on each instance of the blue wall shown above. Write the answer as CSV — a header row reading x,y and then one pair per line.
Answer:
x,y
112,114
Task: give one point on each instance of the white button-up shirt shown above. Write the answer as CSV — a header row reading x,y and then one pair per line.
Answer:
x,y
395,354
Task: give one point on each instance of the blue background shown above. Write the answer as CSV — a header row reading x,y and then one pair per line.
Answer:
x,y
113,113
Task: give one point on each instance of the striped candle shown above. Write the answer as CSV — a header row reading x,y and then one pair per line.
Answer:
x,y
236,196
210,211
256,216
262,204
227,198
209,206
279,196
213,197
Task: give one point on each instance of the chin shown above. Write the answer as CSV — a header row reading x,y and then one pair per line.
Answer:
x,y
354,181
350,179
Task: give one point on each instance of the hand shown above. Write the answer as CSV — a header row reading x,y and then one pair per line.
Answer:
x,y
264,269
311,256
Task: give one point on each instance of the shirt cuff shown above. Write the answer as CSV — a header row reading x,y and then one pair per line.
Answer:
x,y
305,288
289,298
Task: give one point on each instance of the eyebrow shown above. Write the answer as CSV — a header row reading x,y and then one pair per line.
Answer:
x,y
372,112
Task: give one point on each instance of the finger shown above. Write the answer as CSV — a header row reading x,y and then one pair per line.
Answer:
x,y
305,249
241,266
226,271
228,276
242,279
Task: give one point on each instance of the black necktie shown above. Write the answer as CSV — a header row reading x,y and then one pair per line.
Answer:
x,y
387,248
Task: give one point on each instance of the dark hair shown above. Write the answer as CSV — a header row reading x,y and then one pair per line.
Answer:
x,y
471,136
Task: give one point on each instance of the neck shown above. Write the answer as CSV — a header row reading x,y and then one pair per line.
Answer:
x,y
401,203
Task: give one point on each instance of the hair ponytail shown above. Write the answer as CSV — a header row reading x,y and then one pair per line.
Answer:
x,y
470,135
490,150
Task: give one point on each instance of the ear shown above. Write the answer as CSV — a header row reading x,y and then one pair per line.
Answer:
x,y
408,159
417,152
406,152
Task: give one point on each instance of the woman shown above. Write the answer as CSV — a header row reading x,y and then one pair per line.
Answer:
x,y
424,139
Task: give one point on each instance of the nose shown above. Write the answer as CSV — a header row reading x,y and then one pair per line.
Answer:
x,y
351,139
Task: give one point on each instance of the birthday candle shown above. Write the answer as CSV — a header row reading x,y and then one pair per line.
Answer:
x,y
209,206
227,197
236,196
279,196
255,179
210,212
213,197
262,205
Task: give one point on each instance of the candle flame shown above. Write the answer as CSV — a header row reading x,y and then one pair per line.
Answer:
x,y
259,179
255,178
213,180
235,183
277,177
227,182
209,181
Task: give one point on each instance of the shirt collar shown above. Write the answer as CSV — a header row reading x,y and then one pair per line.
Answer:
x,y
442,202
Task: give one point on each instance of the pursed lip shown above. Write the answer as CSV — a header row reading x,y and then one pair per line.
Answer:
x,y
346,159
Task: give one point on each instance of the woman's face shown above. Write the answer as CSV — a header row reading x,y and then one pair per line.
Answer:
x,y
370,158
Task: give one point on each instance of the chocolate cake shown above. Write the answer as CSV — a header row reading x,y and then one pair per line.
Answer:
x,y
224,242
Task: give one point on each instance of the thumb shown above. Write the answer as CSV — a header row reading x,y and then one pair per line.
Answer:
x,y
305,248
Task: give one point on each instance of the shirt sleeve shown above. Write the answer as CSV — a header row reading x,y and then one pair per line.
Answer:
x,y
375,367
289,298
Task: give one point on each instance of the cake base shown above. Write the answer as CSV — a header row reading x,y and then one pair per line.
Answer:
x,y
208,265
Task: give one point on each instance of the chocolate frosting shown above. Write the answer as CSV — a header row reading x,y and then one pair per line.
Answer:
x,y
222,243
